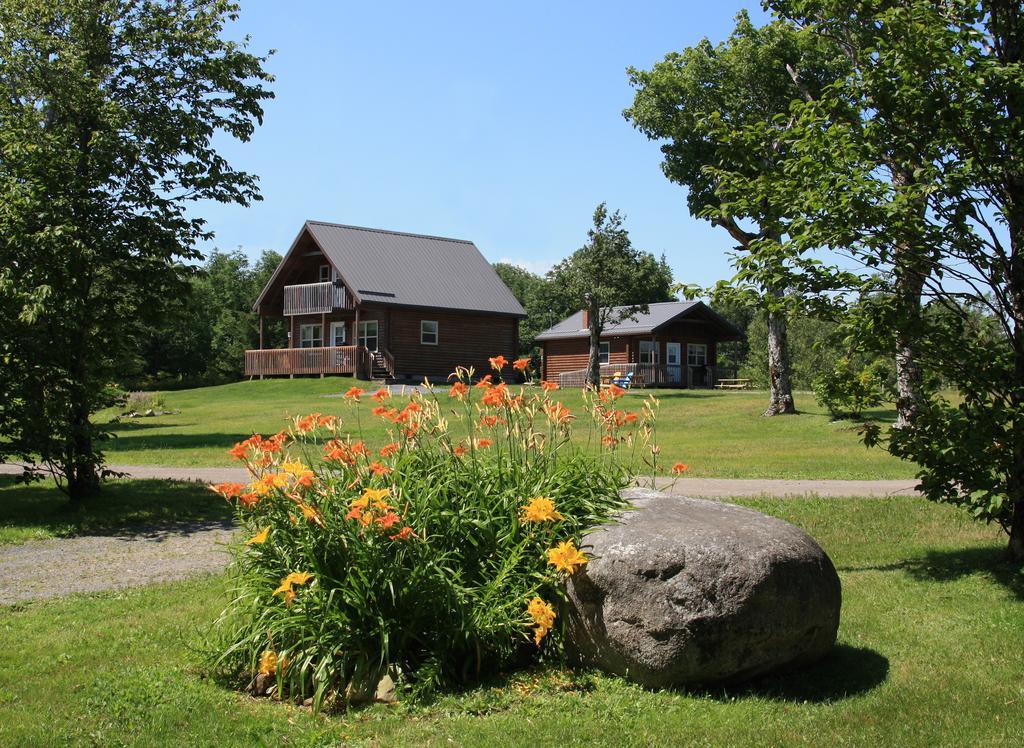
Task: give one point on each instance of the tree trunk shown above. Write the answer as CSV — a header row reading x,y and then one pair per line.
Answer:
x,y
909,377
909,274
1016,545
779,381
594,365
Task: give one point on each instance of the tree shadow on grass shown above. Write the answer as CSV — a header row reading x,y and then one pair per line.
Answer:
x,y
152,508
844,672
156,442
949,566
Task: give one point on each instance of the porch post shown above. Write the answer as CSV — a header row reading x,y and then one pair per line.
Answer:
x,y
323,333
355,333
261,337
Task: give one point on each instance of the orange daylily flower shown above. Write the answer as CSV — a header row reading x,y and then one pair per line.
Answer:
x,y
483,443
458,390
381,394
228,490
498,362
378,469
483,382
521,364
679,468
388,519
389,449
543,616
548,386
404,534
354,393
460,450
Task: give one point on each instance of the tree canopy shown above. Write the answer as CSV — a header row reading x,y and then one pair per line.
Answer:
x,y
610,279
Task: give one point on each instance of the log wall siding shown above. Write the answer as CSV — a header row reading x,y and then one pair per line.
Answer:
x,y
561,356
466,339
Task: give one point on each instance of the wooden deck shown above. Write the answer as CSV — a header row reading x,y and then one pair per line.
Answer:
x,y
652,375
290,361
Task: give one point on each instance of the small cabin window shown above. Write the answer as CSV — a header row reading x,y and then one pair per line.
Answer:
x,y
648,352
311,336
697,354
604,351
428,332
325,273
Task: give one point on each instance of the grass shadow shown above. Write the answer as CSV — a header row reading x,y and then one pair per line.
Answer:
x,y
951,565
155,508
157,442
844,672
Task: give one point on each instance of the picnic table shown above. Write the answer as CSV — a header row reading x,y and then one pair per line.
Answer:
x,y
733,384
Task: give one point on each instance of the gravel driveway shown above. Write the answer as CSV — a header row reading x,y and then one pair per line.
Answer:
x,y
62,566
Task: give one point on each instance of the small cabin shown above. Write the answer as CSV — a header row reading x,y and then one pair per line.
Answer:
x,y
673,344
385,305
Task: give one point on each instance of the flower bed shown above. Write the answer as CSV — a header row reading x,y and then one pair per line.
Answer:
x,y
435,558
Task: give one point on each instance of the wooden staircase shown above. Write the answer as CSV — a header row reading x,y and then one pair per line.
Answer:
x,y
382,365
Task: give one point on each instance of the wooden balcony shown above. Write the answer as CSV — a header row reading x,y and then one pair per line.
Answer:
x,y
316,298
289,361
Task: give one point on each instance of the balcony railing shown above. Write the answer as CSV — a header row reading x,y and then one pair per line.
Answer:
x,y
315,298
277,361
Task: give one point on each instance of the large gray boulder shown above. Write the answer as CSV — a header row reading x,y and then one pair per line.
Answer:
x,y
684,591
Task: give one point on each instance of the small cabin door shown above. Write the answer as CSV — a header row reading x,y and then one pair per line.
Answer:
x,y
674,362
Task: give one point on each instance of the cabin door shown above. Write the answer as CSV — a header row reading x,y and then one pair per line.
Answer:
x,y
674,362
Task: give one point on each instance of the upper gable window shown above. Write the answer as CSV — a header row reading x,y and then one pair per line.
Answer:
x,y
325,273
428,332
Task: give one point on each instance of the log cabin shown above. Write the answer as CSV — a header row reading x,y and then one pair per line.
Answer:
x,y
384,305
673,344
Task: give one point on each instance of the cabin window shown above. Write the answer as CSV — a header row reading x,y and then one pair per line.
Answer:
x,y
368,334
697,354
648,352
325,273
311,336
428,332
338,333
604,352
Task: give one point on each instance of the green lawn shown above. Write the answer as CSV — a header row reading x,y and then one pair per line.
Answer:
x,y
931,653
718,434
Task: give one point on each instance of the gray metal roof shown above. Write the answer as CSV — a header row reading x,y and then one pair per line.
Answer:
x,y
390,267
659,314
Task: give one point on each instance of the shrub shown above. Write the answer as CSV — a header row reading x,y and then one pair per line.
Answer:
x,y
847,389
435,558
140,402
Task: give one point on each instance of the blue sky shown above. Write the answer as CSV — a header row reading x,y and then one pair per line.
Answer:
x,y
499,123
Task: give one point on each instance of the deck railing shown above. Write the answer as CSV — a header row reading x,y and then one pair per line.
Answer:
x,y
315,298
650,375
278,361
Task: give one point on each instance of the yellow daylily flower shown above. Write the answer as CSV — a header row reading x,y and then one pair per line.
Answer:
x,y
260,537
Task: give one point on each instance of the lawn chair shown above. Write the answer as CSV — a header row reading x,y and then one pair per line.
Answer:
x,y
625,382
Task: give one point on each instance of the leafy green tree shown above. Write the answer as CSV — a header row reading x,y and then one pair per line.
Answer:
x,y
107,124
541,300
945,95
610,280
694,101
